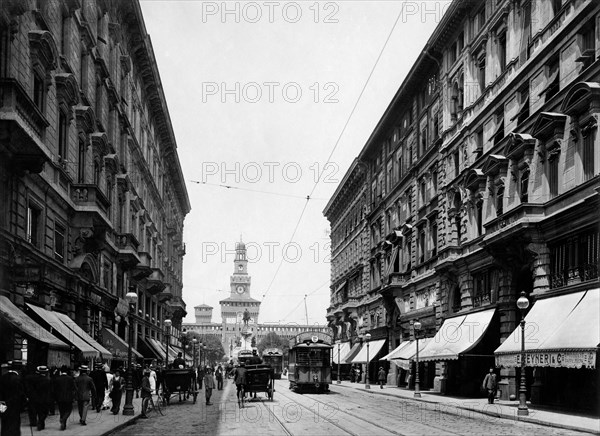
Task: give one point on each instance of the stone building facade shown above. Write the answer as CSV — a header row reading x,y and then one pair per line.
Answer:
x,y
483,183
92,196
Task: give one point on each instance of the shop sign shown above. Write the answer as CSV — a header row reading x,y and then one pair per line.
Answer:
x,y
122,307
551,359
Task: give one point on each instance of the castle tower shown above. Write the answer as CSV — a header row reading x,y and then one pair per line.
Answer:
x,y
239,300
203,314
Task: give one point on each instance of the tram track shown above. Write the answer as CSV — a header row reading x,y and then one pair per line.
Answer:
x,y
296,399
414,425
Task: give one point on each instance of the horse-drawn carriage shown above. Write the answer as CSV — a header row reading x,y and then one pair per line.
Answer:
x,y
178,382
259,378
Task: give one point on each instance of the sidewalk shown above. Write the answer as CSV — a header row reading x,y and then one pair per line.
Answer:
x,y
500,409
98,424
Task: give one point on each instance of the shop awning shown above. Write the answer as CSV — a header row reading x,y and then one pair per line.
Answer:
x,y
344,348
117,346
83,335
373,349
560,332
396,350
353,352
148,350
88,350
457,336
410,351
19,320
157,347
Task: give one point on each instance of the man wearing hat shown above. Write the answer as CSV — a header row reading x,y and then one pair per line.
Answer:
x,y
85,391
101,384
38,387
64,393
12,394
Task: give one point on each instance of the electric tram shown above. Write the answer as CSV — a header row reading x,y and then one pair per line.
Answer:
x,y
310,362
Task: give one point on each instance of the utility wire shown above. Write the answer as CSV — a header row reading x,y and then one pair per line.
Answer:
x,y
253,190
338,139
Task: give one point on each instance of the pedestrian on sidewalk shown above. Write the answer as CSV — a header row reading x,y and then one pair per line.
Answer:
x,y
64,392
85,392
381,377
209,385
12,396
490,384
39,393
98,376
146,391
107,404
116,392
219,375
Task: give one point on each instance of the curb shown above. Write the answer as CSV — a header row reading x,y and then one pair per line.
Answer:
x,y
483,412
122,425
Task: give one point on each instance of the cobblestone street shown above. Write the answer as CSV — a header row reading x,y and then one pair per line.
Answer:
x,y
341,412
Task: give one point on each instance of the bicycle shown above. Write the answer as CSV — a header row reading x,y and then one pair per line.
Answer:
x,y
149,405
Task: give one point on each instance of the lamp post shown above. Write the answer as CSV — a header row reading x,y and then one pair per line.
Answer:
x,y
338,342
167,324
367,385
131,298
417,327
194,342
523,304
204,355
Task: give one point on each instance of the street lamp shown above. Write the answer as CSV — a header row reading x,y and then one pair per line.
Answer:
x,y
367,385
204,356
522,304
338,342
131,298
194,342
167,323
417,327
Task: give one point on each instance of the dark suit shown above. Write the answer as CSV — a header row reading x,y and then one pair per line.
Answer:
x,y
12,393
39,392
85,392
101,383
64,392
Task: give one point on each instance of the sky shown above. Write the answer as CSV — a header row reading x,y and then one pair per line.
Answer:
x,y
270,103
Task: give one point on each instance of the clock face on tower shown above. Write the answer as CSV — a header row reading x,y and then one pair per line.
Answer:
x,y
240,289
240,267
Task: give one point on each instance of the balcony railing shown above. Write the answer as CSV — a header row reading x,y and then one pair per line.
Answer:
x,y
143,268
570,276
155,281
482,299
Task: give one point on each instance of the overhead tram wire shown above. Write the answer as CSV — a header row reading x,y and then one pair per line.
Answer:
x,y
308,197
239,188
304,299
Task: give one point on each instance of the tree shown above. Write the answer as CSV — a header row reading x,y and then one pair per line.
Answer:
x,y
214,349
273,340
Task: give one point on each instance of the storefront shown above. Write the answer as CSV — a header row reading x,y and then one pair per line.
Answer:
x,y
562,335
118,347
367,354
38,346
337,363
67,330
464,347
404,357
149,352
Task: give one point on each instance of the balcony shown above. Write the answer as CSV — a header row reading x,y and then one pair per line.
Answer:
x,y
177,307
143,268
91,206
155,281
22,129
128,245
166,294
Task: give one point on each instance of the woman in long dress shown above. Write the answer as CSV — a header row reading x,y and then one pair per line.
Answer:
x,y
107,400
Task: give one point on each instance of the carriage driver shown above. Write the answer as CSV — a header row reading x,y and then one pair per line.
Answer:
x,y
239,378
